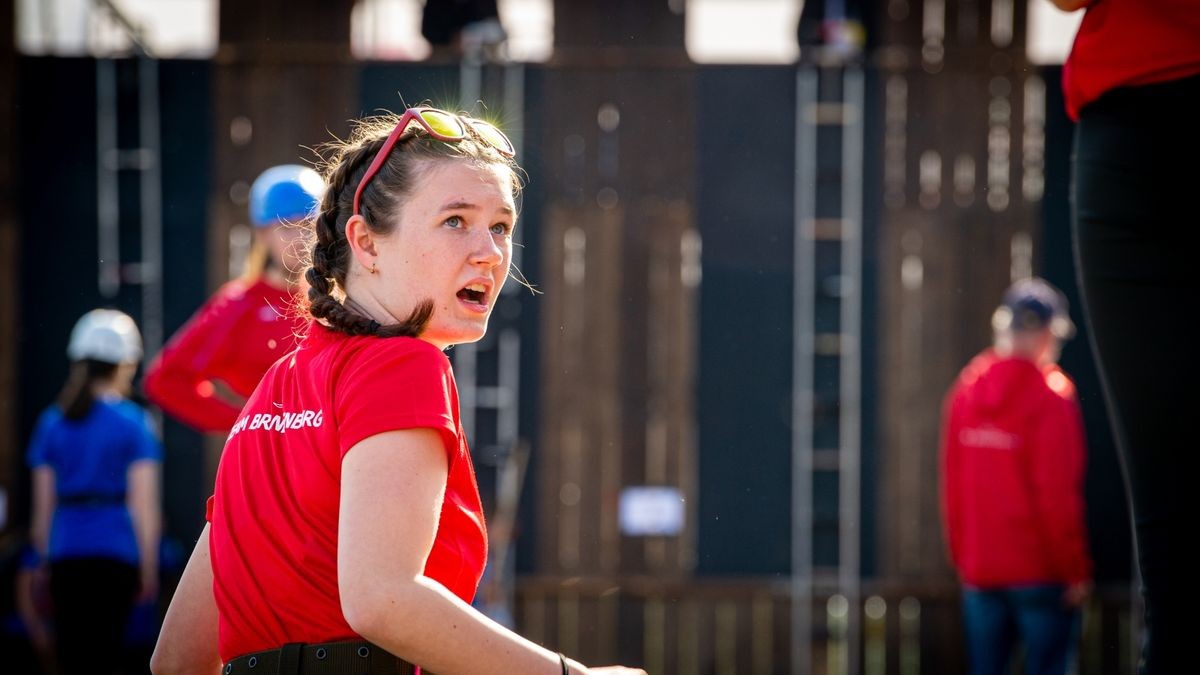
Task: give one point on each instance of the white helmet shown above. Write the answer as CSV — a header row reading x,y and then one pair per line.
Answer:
x,y
105,335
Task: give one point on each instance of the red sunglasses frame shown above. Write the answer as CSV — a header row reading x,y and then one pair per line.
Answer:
x,y
414,115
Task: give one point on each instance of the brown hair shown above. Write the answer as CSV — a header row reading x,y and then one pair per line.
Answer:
x,y
77,398
345,164
258,261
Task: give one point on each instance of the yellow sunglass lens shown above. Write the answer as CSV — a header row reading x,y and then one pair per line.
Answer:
x,y
443,124
493,136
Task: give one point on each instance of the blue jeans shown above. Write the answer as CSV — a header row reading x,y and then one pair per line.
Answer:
x,y
997,619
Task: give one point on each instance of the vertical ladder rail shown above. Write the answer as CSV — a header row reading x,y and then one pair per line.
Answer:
x,y
504,396
151,267
470,86
108,225
803,306
514,117
850,371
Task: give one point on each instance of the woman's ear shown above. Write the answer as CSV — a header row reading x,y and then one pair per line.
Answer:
x,y
362,241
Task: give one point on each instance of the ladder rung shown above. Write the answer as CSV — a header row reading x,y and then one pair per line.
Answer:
x,y
823,229
138,159
827,344
826,459
831,113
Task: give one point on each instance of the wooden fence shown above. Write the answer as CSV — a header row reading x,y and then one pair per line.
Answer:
x,y
742,627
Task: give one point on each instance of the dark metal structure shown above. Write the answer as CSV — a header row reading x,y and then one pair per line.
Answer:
x,y
9,259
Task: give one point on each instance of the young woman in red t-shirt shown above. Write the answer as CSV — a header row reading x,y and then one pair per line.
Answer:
x,y
345,532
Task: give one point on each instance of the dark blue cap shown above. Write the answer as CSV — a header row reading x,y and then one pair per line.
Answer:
x,y
1034,304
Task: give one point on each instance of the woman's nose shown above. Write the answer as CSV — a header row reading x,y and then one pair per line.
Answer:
x,y
487,249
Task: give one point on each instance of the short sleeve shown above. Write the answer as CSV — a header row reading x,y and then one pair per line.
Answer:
x,y
393,384
39,447
148,446
145,443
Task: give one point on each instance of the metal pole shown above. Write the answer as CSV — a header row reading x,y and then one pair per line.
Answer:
x,y
108,231
151,205
803,302
514,117
849,474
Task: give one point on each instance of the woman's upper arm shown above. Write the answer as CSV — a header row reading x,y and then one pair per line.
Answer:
x,y
188,640
391,500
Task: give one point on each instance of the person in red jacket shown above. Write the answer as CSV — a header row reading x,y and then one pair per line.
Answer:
x,y
204,374
1012,489
1132,82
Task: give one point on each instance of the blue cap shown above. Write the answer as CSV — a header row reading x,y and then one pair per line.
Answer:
x,y
289,192
1034,304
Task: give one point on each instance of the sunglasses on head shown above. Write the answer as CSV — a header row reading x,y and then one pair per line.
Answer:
x,y
440,125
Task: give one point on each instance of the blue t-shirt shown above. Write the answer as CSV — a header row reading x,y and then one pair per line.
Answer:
x,y
91,459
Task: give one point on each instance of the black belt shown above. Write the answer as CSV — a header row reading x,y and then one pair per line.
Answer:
x,y
91,500
330,658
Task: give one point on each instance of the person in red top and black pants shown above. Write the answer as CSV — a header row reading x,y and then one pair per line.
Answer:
x,y
208,368
1012,489
345,533
1132,82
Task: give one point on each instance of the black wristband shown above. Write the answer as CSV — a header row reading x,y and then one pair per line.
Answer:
x,y
563,660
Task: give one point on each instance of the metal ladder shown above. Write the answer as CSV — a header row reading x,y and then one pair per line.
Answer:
x,y
111,159
503,396
827,304
499,446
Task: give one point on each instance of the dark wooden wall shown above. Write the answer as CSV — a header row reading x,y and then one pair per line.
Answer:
x,y
284,81
618,315
962,164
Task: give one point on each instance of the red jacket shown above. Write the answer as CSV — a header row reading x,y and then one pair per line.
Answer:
x,y
1012,475
231,341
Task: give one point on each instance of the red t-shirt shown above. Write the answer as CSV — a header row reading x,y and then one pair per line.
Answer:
x,y
274,513
1131,42
1012,475
232,339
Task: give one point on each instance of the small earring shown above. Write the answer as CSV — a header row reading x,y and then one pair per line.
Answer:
x,y
373,268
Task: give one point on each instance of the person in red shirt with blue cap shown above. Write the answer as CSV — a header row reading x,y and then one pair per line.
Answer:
x,y
204,374
1012,489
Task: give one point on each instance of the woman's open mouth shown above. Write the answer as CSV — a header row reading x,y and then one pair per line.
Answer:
x,y
474,296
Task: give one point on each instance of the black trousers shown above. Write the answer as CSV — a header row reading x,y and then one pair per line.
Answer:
x,y
93,598
1136,225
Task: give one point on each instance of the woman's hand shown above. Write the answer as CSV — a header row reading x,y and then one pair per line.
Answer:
x,y
147,584
576,668
1077,594
1071,5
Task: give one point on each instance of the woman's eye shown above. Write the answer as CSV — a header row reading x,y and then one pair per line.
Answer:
x,y
453,221
500,228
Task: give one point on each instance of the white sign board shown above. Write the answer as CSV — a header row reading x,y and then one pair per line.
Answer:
x,y
651,510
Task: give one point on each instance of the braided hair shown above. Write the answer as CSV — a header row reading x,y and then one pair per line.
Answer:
x,y
379,205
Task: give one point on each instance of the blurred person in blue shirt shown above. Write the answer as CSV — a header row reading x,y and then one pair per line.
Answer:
x,y
96,464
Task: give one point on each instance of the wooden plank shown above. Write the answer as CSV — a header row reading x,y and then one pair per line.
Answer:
x,y
618,333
